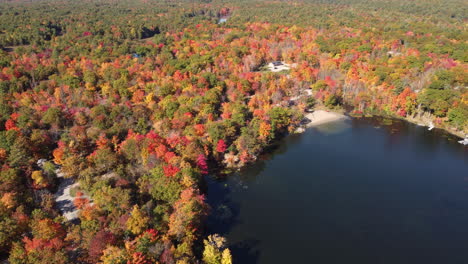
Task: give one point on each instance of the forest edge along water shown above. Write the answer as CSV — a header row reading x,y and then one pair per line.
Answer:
x,y
112,113
360,190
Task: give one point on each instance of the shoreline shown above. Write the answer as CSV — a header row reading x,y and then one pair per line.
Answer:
x,y
320,117
416,121
323,116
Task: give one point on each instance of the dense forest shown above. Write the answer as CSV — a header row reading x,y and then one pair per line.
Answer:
x,y
120,108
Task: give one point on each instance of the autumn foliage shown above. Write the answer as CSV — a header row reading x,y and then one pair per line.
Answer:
x,y
137,102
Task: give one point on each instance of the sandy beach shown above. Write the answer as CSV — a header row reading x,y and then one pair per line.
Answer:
x,y
319,117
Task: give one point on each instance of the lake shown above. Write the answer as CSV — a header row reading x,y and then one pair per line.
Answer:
x,y
355,191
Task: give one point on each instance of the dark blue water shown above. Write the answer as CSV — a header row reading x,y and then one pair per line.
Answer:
x,y
351,192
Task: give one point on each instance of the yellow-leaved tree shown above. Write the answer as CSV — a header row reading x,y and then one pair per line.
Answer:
x,y
138,221
215,251
39,180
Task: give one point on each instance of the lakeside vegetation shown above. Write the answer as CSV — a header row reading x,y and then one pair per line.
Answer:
x,y
137,100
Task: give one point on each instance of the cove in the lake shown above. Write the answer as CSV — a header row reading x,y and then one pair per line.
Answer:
x,y
356,191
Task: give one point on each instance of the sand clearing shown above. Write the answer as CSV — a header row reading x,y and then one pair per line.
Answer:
x,y
321,117
64,199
